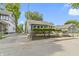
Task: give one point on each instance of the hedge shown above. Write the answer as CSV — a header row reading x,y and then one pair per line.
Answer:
x,y
1,35
45,29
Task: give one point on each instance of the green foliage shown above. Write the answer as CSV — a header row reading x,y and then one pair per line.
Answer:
x,y
75,5
14,8
44,32
73,28
1,35
72,21
33,15
45,29
41,29
25,26
20,28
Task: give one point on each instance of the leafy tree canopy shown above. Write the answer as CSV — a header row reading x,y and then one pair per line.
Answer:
x,y
20,27
75,5
34,15
14,8
72,21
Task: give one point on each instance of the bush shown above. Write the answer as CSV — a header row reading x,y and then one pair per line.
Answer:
x,y
42,29
0,35
46,29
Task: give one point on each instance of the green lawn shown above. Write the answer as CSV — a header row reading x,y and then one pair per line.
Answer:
x,y
2,36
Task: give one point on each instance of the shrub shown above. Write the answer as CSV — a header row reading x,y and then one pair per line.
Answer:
x,y
0,35
46,29
42,29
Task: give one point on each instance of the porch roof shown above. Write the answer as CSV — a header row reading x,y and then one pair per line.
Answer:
x,y
39,22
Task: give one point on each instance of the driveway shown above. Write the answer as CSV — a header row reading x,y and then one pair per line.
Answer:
x,y
14,38
46,47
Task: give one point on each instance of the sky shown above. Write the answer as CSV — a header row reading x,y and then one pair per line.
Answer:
x,y
56,13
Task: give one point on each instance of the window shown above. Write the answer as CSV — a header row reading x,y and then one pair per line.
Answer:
x,y
1,16
9,24
38,26
11,15
41,26
34,26
7,18
13,28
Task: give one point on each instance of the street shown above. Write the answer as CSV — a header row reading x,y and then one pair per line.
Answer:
x,y
46,47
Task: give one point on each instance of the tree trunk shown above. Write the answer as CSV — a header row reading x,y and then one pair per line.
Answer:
x,y
16,22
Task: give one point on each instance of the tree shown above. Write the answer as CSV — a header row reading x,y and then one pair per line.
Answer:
x,y
33,15
20,27
14,8
73,27
25,26
75,5
72,21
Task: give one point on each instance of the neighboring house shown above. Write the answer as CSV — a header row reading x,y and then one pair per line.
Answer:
x,y
7,24
68,27
37,24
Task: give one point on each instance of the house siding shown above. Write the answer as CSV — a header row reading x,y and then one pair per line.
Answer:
x,y
37,24
7,20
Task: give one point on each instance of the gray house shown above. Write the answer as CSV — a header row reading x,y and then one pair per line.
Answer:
x,y
68,27
7,24
37,24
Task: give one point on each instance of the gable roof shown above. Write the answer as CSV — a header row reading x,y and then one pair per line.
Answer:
x,y
39,22
64,26
5,12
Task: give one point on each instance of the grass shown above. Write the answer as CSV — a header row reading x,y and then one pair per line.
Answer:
x,y
2,36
